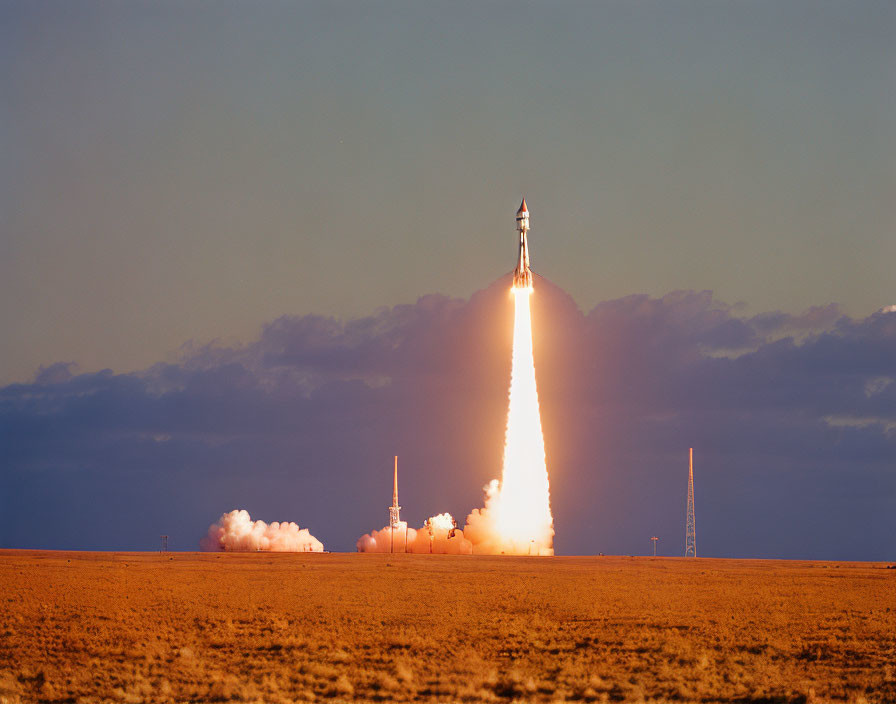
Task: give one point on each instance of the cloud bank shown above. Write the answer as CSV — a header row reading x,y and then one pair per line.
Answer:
x,y
792,417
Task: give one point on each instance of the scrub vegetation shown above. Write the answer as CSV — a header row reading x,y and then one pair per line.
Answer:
x,y
274,627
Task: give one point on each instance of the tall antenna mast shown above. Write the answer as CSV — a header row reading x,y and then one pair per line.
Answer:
x,y
690,538
394,519
394,509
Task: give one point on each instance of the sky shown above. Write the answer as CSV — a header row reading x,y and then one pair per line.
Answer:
x,y
248,252
176,172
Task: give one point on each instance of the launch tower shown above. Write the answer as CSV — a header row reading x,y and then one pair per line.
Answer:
x,y
394,509
690,538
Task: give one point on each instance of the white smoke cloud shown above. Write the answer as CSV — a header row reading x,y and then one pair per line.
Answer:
x,y
482,524
237,532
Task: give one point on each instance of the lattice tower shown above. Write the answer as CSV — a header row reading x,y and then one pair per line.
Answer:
x,y
690,538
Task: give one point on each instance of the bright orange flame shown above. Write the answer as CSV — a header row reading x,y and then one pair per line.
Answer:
x,y
522,507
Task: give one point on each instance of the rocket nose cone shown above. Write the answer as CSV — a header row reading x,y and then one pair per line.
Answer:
x,y
523,207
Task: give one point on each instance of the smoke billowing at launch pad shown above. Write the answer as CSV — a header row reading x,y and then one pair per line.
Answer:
x,y
516,517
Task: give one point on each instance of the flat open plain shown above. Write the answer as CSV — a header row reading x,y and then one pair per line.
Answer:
x,y
149,627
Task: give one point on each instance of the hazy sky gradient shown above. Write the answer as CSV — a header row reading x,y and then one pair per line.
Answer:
x,y
175,171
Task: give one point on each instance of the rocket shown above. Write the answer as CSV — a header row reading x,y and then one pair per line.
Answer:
x,y
522,275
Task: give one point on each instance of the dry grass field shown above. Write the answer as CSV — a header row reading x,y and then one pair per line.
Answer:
x,y
91,627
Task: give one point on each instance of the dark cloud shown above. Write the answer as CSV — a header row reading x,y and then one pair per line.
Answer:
x,y
814,320
793,419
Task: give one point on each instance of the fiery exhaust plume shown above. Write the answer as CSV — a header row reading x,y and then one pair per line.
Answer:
x,y
521,505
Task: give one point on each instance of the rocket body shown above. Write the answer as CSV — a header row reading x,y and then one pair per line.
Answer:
x,y
522,275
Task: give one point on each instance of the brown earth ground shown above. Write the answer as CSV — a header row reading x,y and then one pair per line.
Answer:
x,y
149,627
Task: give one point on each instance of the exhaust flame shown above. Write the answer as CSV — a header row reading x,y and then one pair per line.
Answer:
x,y
522,509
